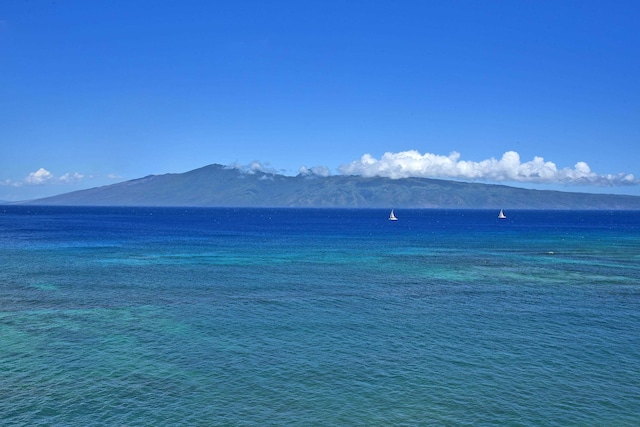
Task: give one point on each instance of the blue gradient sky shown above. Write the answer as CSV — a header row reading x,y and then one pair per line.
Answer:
x,y
96,92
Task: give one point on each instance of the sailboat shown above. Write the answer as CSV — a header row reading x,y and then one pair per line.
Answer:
x,y
501,215
392,216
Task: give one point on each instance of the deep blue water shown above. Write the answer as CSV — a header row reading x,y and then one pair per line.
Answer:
x,y
154,316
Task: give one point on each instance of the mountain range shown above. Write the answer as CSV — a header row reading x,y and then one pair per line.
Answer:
x,y
221,186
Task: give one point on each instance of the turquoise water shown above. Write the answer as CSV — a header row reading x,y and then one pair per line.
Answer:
x,y
147,317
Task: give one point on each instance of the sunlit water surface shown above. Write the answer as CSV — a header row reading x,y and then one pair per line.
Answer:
x,y
155,316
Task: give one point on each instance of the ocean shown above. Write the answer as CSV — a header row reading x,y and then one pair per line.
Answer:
x,y
318,317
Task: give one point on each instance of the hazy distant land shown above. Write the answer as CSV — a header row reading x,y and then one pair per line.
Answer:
x,y
220,186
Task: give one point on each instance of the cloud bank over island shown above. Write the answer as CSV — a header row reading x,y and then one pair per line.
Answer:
x,y
509,167
410,164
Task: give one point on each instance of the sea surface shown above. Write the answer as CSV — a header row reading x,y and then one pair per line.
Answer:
x,y
325,317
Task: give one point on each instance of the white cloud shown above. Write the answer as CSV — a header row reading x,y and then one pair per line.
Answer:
x,y
254,167
314,171
508,168
43,176
69,178
38,177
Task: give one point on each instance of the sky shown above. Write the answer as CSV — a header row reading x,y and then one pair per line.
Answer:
x,y
534,94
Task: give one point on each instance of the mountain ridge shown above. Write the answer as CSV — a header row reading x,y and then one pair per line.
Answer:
x,y
216,185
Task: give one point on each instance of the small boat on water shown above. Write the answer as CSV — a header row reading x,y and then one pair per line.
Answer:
x,y
392,216
501,215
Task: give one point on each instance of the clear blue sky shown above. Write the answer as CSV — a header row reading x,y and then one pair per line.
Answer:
x,y
97,92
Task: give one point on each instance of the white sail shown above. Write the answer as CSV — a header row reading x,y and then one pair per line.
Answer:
x,y
501,215
392,216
